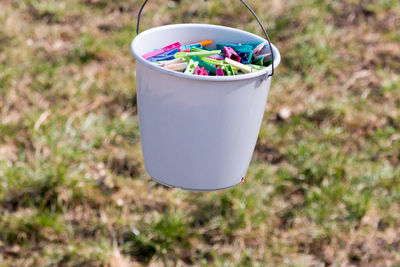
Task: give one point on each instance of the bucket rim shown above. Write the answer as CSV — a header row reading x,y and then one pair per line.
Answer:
x,y
264,72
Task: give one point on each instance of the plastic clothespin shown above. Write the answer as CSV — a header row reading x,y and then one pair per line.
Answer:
x,y
267,56
256,67
259,48
246,53
230,53
220,72
198,54
162,50
213,61
228,70
254,44
221,46
205,65
218,57
245,57
177,67
200,71
240,66
164,56
203,43
259,61
263,59
168,62
184,47
191,67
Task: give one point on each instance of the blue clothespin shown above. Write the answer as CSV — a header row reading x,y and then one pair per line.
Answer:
x,y
164,56
245,57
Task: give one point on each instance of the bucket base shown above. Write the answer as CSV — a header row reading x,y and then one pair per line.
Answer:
x,y
197,190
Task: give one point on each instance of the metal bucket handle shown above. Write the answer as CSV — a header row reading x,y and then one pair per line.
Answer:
x,y
252,12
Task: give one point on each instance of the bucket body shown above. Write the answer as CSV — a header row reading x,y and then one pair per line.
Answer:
x,y
198,132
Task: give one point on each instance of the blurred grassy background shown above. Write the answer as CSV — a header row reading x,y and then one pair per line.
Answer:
x,y
324,184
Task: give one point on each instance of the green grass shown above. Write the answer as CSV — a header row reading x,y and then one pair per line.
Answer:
x,y
323,186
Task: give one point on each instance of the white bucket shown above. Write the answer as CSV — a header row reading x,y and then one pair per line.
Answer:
x,y
198,132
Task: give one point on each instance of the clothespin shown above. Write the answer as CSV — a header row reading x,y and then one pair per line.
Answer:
x,y
177,67
259,61
164,56
162,50
256,67
213,61
245,57
230,53
240,66
228,70
218,57
195,49
191,67
220,72
198,54
245,53
259,48
184,47
254,44
221,46
200,71
206,65
203,43
267,57
169,62
263,59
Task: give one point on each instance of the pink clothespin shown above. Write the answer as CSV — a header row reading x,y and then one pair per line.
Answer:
x,y
162,50
220,72
258,48
200,71
230,53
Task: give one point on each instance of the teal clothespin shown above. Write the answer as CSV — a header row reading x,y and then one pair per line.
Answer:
x,y
234,46
206,65
183,47
191,67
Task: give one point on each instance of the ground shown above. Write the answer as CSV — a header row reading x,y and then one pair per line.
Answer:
x,y
323,187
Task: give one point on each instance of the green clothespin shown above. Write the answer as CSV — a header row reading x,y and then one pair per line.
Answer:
x,y
191,67
228,70
195,49
198,54
214,61
256,67
206,65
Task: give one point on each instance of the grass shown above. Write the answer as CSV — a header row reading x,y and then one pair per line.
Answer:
x,y
323,187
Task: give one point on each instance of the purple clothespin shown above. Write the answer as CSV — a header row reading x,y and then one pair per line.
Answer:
x,y
230,53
